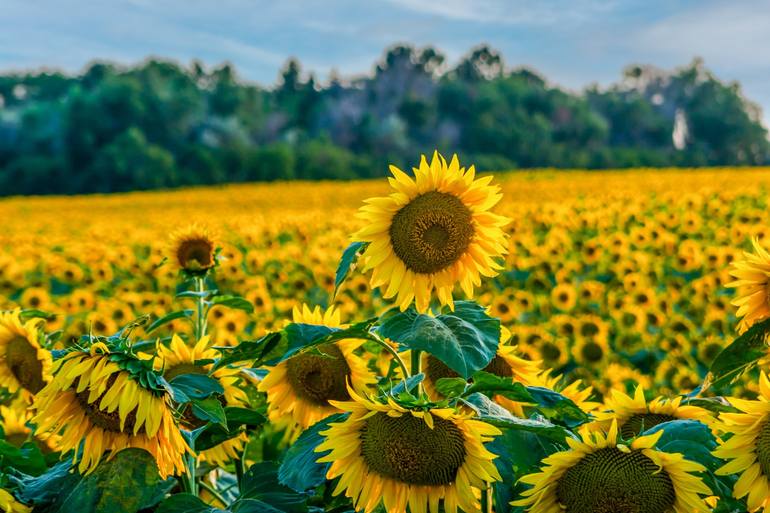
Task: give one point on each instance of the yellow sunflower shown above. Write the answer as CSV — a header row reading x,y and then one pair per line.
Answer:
x,y
635,415
178,358
302,386
193,249
8,504
599,474
752,279
14,419
387,454
434,231
93,401
24,364
748,447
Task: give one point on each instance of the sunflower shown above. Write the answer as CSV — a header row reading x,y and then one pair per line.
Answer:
x,y
14,419
749,447
635,415
599,474
93,401
752,279
24,364
177,359
387,453
193,249
432,232
8,504
303,385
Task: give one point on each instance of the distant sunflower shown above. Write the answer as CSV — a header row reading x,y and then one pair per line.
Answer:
x,y
303,386
384,453
178,358
752,279
24,364
748,447
193,249
635,415
8,504
434,231
16,432
93,401
602,475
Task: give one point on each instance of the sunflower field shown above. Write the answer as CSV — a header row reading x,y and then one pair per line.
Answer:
x,y
437,342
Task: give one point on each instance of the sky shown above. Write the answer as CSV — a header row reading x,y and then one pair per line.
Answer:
x,y
573,43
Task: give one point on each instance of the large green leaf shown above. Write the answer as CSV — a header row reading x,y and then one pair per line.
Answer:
x,y
187,387
179,314
465,340
185,503
235,302
257,351
300,470
210,410
27,458
260,482
125,484
739,356
556,406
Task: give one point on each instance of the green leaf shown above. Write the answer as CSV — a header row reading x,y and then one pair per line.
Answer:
x,y
194,386
256,351
33,313
300,336
691,438
556,406
237,418
465,340
253,506
27,458
451,387
740,356
261,482
490,385
349,257
185,503
179,314
713,404
235,302
210,410
300,470
494,414
125,484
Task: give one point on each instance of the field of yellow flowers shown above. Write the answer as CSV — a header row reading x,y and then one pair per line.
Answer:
x,y
525,368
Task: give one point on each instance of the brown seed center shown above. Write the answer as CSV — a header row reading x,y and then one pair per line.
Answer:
x,y
21,358
320,378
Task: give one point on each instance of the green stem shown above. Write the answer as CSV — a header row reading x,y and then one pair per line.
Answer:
x,y
239,469
200,318
486,499
416,353
191,467
392,352
213,491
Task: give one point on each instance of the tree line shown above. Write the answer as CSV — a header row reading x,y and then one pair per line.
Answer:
x,y
160,124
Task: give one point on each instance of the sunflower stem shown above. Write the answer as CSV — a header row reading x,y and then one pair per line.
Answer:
x,y
416,353
213,491
486,499
200,318
393,353
190,463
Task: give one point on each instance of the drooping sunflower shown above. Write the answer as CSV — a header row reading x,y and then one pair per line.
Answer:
x,y
635,415
752,279
193,249
748,447
24,364
94,401
303,386
601,474
177,359
384,453
434,231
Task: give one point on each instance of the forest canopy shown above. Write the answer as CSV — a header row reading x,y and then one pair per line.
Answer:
x,y
160,124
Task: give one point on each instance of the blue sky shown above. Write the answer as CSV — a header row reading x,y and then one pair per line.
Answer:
x,y
572,42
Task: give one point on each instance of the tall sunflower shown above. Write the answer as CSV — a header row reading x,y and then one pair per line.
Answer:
x,y
748,447
94,401
635,415
193,249
434,231
178,358
752,279
387,453
302,386
600,474
24,364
